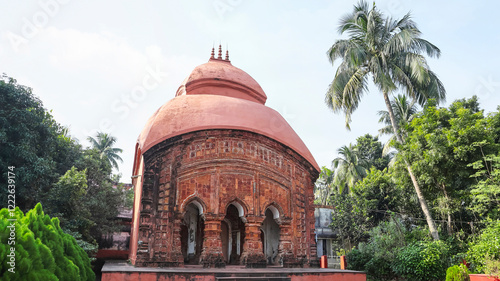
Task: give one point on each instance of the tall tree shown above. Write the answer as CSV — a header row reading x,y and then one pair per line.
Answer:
x,y
441,144
391,52
33,142
349,168
404,110
104,144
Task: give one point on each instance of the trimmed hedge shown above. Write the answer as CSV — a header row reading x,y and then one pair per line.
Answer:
x,y
42,250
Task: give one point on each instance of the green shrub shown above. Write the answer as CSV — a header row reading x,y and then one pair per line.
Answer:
x,y
422,261
42,250
457,273
357,259
375,256
486,246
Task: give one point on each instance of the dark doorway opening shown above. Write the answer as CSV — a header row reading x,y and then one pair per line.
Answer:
x,y
232,236
192,229
270,237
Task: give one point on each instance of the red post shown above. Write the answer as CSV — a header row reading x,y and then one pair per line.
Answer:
x,y
324,262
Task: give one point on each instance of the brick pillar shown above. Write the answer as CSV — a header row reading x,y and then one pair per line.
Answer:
x,y
211,255
176,255
285,250
253,253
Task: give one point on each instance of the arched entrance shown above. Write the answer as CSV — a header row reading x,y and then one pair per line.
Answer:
x,y
192,228
232,235
270,236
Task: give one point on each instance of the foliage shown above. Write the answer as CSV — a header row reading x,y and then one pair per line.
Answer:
x,y
323,187
348,220
485,247
457,273
349,167
104,144
422,261
370,149
404,111
357,259
73,184
486,192
390,50
378,253
492,267
129,198
86,201
377,195
42,250
441,144
33,142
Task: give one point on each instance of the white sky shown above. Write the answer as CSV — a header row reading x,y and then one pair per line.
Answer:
x,y
85,59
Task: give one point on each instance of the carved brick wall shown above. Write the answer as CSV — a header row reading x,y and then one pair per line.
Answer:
x,y
216,168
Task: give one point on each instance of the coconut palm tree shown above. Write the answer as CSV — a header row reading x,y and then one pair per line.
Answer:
x,y
104,144
390,52
349,168
404,111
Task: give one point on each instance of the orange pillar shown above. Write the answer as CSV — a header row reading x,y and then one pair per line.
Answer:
x,y
343,262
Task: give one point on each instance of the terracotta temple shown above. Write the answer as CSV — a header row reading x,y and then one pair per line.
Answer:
x,y
222,179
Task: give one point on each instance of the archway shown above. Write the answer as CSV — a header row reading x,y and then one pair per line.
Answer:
x,y
192,229
270,236
232,235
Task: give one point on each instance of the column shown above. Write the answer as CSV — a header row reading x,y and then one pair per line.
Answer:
x,y
211,255
253,253
285,250
175,257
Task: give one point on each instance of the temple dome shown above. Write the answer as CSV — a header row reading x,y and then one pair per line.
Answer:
x,y
217,95
219,77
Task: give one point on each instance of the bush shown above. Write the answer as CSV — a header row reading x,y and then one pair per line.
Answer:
x,y
422,261
357,259
457,273
42,250
375,256
486,246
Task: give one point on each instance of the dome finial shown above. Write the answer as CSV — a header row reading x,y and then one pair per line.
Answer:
x,y
227,55
213,53
220,52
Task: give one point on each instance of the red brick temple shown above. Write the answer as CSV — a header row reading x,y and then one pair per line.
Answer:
x,y
222,179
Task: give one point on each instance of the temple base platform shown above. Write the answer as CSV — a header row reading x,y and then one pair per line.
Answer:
x,y
123,271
